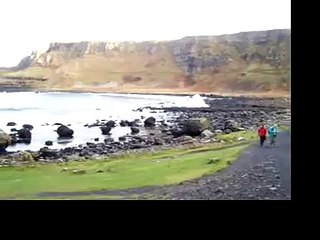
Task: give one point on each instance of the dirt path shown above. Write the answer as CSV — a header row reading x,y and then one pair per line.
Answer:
x,y
259,173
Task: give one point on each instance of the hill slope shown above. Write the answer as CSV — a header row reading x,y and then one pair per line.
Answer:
x,y
249,61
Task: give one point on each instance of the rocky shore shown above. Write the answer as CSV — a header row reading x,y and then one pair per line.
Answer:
x,y
187,125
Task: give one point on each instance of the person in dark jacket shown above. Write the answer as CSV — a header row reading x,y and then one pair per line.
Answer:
x,y
262,132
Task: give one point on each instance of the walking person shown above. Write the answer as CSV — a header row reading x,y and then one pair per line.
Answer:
x,y
262,132
273,131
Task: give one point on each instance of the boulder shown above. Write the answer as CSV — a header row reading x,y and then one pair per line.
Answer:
x,y
64,131
207,134
124,123
24,157
192,127
134,130
232,125
45,152
24,134
150,122
133,123
105,130
27,126
11,124
111,124
158,141
108,140
49,143
5,140
123,138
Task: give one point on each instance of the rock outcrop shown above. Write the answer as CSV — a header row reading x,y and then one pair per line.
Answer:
x,y
244,61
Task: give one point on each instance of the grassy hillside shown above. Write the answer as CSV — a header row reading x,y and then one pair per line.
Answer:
x,y
254,61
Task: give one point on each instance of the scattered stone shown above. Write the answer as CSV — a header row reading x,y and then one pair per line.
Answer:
x,y
159,141
123,138
207,134
11,124
213,160
79,172
150,122
105,130
65,132
5,140
96,139
99,171
49,143
27,126
45,152
24,157
134,130
111,124
24,135
124,123
241,139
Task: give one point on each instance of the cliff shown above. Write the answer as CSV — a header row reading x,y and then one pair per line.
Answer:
x,y
248,61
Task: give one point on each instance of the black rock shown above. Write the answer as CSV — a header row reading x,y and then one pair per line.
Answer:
x,y
27,126
11,124
24,133
122,138
64,131
124,123
109,140
96,139
45,152
150,122
49,143
91,145
105,130
13,130
134,130
111,124
133,123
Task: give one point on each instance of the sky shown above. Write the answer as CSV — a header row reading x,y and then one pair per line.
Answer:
x,y
31,25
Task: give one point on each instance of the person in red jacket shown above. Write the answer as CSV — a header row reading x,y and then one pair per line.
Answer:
x,y
262,132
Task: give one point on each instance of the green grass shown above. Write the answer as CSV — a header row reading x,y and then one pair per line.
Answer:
x,y
126,171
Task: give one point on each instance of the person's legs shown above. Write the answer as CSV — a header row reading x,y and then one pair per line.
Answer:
x,y
271,140
262,139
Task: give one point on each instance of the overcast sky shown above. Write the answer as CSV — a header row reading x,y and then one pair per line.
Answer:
x,y
28,25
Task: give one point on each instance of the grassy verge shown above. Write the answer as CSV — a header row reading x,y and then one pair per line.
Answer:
x,y
125,171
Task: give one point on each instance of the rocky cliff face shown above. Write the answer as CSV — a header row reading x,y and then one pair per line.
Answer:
x,y
244,61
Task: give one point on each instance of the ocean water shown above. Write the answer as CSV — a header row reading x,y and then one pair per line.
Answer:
x,y
42,110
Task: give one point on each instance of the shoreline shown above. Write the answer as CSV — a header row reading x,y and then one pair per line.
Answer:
x,y
231,115
157,92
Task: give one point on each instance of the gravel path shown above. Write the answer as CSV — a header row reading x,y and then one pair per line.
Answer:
x,y
259,173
